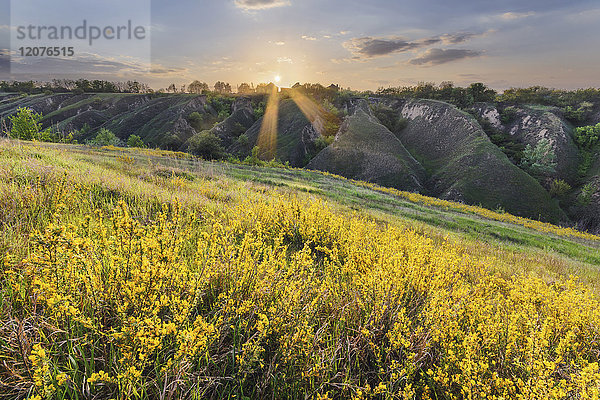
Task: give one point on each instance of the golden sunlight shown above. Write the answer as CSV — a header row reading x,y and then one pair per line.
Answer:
x,y
267,138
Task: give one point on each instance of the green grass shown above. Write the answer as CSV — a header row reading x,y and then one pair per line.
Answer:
x,y
115,179
329,318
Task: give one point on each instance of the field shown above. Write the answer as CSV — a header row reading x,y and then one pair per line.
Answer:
x,y
147,274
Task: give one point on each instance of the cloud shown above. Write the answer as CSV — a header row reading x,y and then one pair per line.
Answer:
x,y
373,47
284,60
308,37
441,56
253,5
509,16
461,37
587,16
83,64
369,47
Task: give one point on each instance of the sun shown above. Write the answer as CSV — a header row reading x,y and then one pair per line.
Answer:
x,y
277,78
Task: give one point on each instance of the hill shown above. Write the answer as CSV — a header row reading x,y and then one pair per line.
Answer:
x,y
475,155
464,165
366,150
295,137
127,271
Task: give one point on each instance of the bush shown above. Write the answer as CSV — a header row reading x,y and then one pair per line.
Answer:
x,y
508,115
587,159
254,158
539,160
585,197
559,188
105,138
135,141
206,145
196,120
259,110
242,140
390,118
323,141
223,115
25,124
587,136
578,115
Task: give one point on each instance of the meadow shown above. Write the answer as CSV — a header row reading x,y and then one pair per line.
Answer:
x,y
131,273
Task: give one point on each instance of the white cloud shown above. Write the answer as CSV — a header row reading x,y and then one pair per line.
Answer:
x,y
305,37
509,16
281,60
253,5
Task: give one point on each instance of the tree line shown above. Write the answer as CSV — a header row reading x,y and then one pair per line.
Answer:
x,y
74,86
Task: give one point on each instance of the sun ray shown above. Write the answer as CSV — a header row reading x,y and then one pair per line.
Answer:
x,y
311,110
267,138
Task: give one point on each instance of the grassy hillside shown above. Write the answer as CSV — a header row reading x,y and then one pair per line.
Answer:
x,y
147,274
295,138
161,121
464,165
460,161
364,149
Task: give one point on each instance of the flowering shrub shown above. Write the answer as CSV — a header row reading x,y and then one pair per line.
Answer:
x,y
277,297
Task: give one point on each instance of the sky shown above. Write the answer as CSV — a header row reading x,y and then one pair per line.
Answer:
x,y
354,43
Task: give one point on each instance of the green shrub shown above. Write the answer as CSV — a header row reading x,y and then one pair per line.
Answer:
x,y
585,197
206,145
135,141
587,159
587,136
559,188
105,138
323,141
508,115
539,160
243,140
254,158
578,115
196,120
223,115
389,118
25,124
259,110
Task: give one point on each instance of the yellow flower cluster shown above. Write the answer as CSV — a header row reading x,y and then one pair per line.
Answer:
x,y
278,297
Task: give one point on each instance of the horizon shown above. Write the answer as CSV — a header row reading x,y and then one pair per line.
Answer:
x,y
514,44
234,88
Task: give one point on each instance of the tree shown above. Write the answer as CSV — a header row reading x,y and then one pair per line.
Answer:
x,y
244,88
172,88
105,138
222,87
197,87
481,93
262,88
135,141
206,145
539,160
25,124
